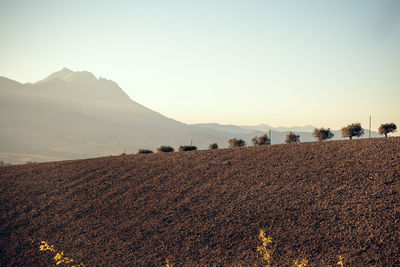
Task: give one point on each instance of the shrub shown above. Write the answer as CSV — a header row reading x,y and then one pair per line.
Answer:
x,y
187,148
322,134
59,257
213,146
236,142
261,141
264,140
265,249
387,128
292,138
351,130
144,151
300,263
165,149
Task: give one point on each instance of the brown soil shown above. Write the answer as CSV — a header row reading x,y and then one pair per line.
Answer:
x,y
317,201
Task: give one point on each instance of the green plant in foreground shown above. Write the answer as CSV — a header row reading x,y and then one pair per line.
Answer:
x,y
302,263
340,262
59,257
266,252
265,249
168,262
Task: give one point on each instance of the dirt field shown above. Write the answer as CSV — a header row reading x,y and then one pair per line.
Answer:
x,y
317,201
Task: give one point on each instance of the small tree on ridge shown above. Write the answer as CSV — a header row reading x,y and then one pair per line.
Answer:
x,y
387,128
292,138
165,149
187,148
261,141
351,130
213,146
322,134
236,142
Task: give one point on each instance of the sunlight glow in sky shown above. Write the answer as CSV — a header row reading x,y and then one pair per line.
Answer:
x,y
284,63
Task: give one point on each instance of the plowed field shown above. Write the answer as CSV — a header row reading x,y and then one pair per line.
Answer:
x,y
316,200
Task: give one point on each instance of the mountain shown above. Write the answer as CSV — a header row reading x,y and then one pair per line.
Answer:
x,y
73,114
76,115
227,128
266,127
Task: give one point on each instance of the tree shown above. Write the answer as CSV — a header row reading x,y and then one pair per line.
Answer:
x,y
261,141
144,151
213,146
236,142
187,148
387,128
351,130
292,138
264,140
165,149
322,134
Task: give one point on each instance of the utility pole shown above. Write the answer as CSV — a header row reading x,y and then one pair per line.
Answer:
x,y
270,137
369,134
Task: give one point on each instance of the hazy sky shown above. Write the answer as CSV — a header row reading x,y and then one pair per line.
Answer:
x,y
325,63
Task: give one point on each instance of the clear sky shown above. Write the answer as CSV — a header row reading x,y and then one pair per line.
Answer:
x,y
284,63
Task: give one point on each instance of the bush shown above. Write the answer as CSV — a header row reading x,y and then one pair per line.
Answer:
x,y
187,148
255,141
387,128
322,134
144,151
261,141
213,146
165,149
351,130
292,138
264,140
236,142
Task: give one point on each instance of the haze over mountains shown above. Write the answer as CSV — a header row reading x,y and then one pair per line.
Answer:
x,y
71,115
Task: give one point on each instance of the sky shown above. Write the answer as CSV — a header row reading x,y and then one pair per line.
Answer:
x,y
283,63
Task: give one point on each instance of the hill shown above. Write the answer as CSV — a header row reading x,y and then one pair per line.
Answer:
x,y
316,200
74,115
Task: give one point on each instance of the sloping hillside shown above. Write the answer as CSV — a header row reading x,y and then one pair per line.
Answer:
x,y
76,115
316,200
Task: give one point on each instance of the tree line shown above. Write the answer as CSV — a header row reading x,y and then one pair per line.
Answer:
x,y
320,134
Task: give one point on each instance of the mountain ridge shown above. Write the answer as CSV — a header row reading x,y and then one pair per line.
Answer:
x,y
82,117
76,115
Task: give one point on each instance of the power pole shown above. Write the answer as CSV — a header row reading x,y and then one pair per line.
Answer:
x,y
270,137
369,134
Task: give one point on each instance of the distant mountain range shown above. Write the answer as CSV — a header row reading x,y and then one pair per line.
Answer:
x,y
71,115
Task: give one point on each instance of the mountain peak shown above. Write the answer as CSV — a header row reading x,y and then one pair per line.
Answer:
x,y
66,69
80,76
68,75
